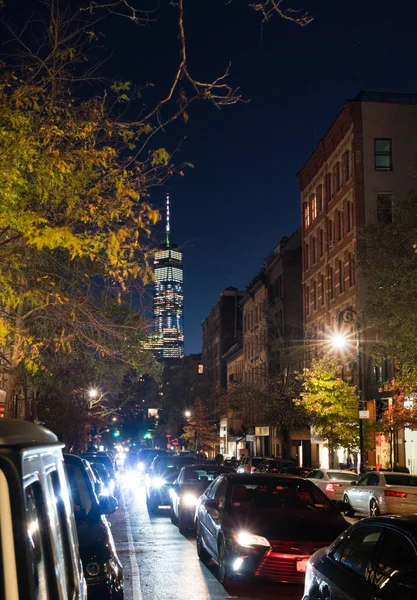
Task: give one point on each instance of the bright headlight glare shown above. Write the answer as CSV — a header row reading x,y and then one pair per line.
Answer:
x,y
249,539
158,482
189,500
141,466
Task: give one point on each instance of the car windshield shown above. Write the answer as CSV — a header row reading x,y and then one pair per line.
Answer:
x,y
81,491
205,475
101,470
398,479
342,476
103,459
278,495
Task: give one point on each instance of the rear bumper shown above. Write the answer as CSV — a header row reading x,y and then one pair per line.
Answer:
x,y
160,496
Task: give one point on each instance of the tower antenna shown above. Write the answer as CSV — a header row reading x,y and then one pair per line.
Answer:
x,y
168,225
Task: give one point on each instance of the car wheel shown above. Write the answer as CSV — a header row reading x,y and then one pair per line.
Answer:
x,y
202,553
174,519
152,506
373,508
224,573
348,510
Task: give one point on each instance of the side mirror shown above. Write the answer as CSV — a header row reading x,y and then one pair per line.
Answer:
x,y
213,504
108,505
353,483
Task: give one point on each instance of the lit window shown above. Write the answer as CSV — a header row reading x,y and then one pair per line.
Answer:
x,y
201,369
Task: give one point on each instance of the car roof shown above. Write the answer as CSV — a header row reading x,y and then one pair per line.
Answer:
x,y
74,459
253,477
23,434
207,466
406,522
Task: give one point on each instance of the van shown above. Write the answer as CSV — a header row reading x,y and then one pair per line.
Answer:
x,y
38,539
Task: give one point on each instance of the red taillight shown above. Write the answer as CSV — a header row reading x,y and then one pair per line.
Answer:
x,y
248,469
393,494
329,488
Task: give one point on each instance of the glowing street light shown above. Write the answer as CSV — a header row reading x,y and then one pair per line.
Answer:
x,y
187,414
339,341
93,393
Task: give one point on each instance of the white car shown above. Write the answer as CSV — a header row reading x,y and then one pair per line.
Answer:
x,y
332,482
382,493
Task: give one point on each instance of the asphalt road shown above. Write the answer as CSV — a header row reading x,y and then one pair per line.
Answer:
x,y
160,563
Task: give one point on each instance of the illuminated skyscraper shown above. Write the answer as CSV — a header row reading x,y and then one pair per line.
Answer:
x,y
167,338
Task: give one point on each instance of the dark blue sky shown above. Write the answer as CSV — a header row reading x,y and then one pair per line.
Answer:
x,y
242,197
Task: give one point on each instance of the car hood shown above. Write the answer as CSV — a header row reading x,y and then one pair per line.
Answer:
x,y
294,525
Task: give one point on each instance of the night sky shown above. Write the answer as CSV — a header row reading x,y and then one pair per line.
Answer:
x,y
241,197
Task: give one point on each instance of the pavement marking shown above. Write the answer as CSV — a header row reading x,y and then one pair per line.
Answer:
x,y
134,566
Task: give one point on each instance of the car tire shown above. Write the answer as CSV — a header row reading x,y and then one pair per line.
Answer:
x,y
174,519
348,510
224,572
152,506
374,508
202,553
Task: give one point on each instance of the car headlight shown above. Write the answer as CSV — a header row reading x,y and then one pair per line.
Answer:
x,y
158,482
141,466
93,569
249,539
105,491
189,500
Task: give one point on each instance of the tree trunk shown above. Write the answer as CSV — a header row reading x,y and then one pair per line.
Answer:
x,y
331,455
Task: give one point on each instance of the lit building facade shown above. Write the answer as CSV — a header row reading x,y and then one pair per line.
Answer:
x,y
167,338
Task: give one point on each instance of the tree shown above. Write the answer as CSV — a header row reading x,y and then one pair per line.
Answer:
x,y
331,405
199,434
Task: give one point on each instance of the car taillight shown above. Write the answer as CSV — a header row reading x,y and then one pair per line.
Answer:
x,y
329,488
248,468
394,494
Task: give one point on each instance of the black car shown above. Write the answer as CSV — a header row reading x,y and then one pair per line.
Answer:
x,y
102,568
162,474
285,467
188,487
104,476
375,559
264,526
106,460
146,457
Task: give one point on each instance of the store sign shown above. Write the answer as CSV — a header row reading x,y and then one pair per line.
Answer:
x,y
262,431
364,414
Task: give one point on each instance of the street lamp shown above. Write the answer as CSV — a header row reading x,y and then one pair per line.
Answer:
x,y
187,414
340,341
93,393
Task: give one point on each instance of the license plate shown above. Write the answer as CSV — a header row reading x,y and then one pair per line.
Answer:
x,y
301,564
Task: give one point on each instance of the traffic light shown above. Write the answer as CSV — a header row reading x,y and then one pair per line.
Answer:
x,y
116,433
147,436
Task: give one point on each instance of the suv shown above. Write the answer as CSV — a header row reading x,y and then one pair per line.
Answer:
x,y
102,568
38,538
249,463
162,474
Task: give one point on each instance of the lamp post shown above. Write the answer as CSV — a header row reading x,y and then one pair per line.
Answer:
x,y
350,316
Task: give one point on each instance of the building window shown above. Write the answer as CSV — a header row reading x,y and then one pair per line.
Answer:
x,y
331,282
351,269
313,207
315,295
306,215
330,232
384,208
200,369
321,242
328,187
340,224
336,178
345,167
383,154
306,257
341,277
323,291
349,216
319,198
307,300
313,250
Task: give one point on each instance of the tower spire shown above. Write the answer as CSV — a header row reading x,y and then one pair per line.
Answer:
x,y
168,225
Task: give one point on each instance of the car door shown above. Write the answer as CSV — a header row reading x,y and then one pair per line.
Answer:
x,y
214,515
347,573
202,510
359,494
396,558
317,477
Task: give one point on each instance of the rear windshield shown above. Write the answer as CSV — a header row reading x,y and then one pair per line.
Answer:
x,y
401,480
344,476
171,464
205,475
257,461
81,491
291,495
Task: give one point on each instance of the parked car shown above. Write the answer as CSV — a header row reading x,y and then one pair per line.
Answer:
x,y
375,559
38,538
382,493
287,467
104,476
249,463
162,474
333,482
102,568
146,457
105,459
186,490
264,526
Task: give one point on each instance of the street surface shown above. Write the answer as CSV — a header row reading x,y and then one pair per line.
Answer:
x,y
160,563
